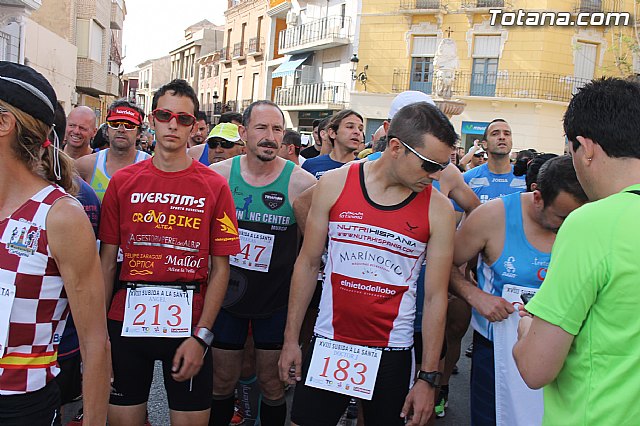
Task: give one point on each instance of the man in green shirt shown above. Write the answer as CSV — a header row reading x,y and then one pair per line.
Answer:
x,y
583,342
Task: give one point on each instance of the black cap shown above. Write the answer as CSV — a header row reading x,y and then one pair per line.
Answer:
x,y
27,90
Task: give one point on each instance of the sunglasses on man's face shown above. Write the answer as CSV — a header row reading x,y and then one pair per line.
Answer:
x,y
164,116
115,125
428,165
213,144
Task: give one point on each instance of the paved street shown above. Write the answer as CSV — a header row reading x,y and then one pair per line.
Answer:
x,y
457,414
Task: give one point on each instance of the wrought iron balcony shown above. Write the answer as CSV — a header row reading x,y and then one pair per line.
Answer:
x,y
322,33
329,94
482,4
238,51
256,46
245,104
230,106
594,6
419,5
504,84
224,55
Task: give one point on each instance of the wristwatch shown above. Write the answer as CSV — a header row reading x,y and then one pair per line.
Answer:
x,y
431,377
203,335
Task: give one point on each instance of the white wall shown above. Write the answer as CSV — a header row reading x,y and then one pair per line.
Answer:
x,y
53,57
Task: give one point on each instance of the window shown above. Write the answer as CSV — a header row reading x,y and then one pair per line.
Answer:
x,y
259,28
97,36
239,91
422,53
343,14
89,38
202,70
216,70
255,87
209,70
584,60
5,46
484,74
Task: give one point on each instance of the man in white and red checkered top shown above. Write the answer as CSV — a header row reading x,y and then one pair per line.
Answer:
x,y
47,254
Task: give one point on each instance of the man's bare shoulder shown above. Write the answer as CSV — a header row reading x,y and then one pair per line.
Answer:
x,y
223,167
301,180
196,151
450,178
85,164
487,216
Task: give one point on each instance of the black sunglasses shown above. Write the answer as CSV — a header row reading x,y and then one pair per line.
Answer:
x,y
428,165
213,144
165,116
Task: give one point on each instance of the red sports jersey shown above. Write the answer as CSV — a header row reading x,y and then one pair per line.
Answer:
x,y
374,257
167,224
40,306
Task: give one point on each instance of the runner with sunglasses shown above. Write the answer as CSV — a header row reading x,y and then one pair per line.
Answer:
x,y
380,216
223,142
124,121
174,219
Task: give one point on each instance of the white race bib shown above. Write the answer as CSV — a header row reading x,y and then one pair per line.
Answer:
x,y
157,312
344,368
516,404
256,251
7,295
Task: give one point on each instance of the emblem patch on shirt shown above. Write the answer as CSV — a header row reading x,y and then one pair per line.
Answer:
x,y
273,200
24,238
226,225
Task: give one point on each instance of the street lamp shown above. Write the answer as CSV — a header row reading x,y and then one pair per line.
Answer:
x,y
354,66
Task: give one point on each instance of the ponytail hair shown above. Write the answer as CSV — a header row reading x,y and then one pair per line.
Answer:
x,y
31,134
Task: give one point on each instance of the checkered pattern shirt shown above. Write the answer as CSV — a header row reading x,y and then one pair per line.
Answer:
x,y
40,306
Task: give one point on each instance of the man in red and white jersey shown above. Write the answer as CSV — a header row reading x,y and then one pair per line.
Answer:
x,y
380,216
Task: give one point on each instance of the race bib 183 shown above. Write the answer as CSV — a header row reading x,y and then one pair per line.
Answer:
x,y
344,368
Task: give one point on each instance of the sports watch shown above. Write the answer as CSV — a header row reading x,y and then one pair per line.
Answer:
x,y
431,377
203,335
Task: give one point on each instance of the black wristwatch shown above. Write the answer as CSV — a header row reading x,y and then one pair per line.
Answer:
x,y
431,377
203,335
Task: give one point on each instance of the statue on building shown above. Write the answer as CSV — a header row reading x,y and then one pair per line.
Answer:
x,y
445,64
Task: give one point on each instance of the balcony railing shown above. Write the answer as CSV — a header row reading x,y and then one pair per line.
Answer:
x,y
224,55
256,46
315,93
504,84
594,6
419,4
230,106
238,51
245,104
325,29
482,4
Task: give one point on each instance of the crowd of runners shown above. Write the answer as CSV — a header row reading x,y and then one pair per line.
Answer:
x,y
348,270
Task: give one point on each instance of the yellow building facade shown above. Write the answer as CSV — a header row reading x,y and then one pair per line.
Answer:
x,y
525,74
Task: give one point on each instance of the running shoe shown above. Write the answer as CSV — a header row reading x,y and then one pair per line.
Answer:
x,y
443,403
469,351
238,416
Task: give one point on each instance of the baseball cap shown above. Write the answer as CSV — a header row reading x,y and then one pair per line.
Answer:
x,y
124,113
28,90
407,98
226,131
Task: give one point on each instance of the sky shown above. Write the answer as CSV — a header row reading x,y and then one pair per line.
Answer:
x,y
152,28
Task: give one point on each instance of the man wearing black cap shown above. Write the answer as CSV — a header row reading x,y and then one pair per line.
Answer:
x,y
123,126
48,261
